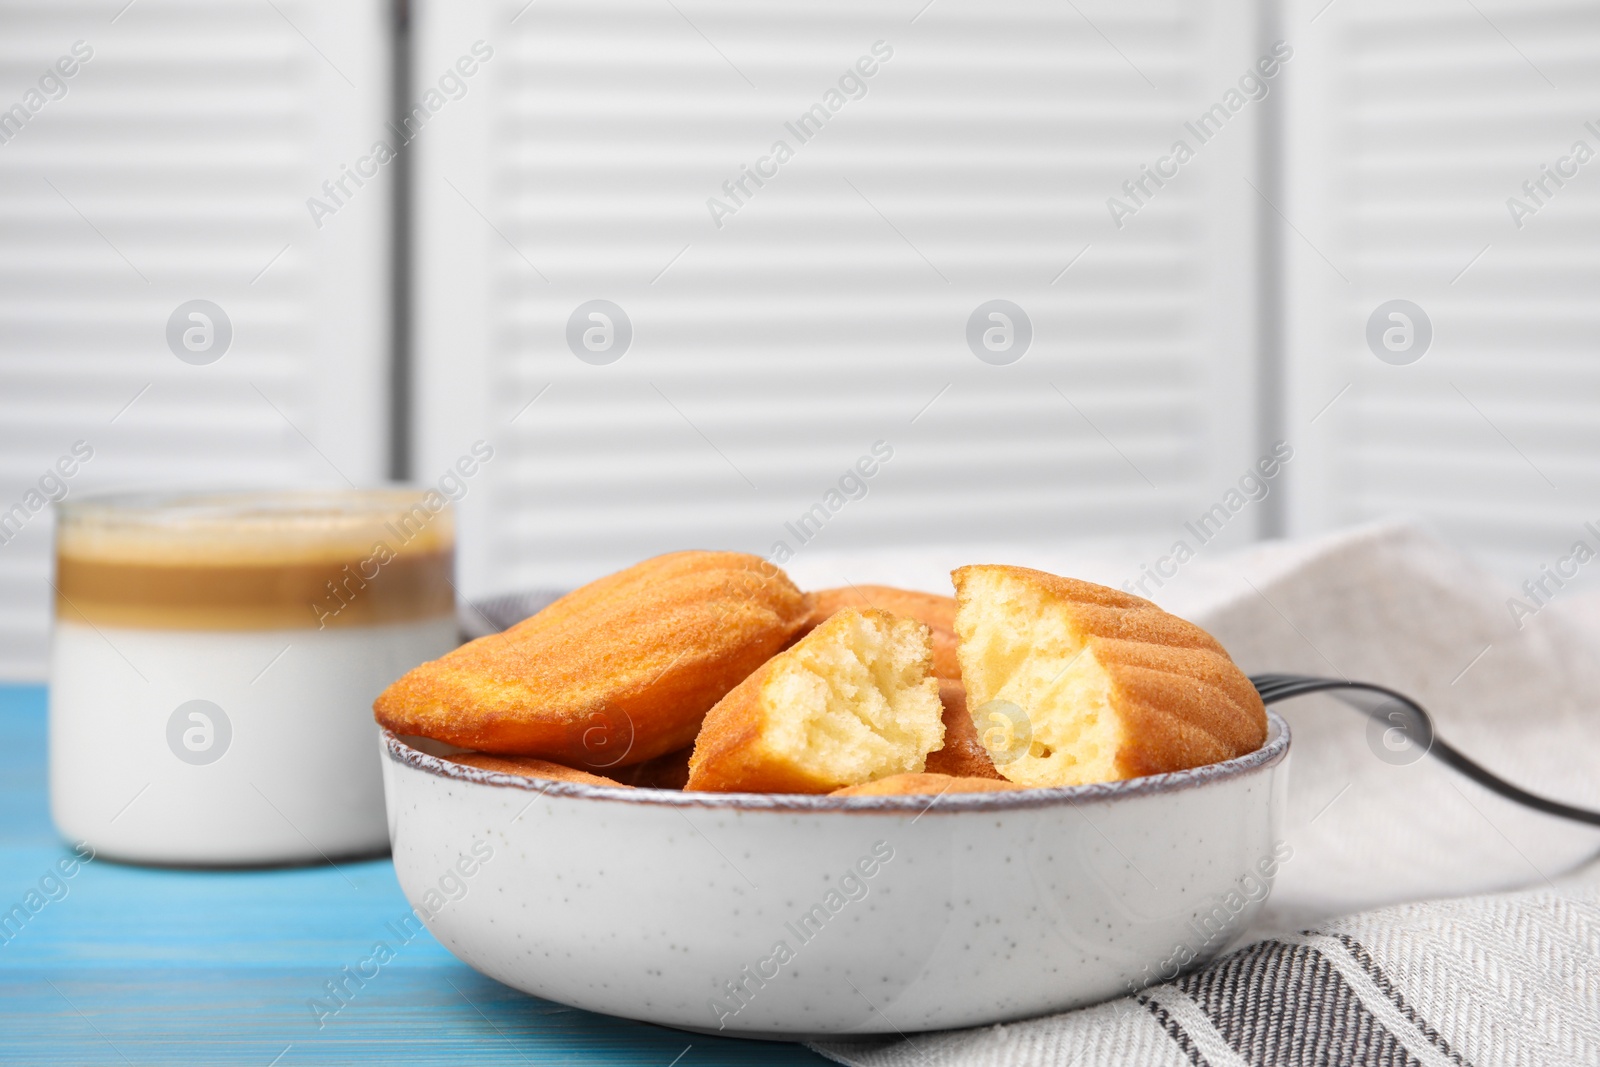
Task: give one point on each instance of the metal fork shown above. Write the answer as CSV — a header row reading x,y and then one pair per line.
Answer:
x,y
1413,723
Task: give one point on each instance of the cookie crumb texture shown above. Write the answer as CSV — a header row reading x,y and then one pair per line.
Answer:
x,y
851,702
937,612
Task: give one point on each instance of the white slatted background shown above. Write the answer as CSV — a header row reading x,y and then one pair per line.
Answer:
x,y
1412,122
177,167
829,312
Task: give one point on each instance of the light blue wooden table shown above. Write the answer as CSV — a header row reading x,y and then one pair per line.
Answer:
x,y
126,965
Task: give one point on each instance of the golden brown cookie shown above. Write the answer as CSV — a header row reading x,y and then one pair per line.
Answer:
x,y
851,701
963,754
937,612
528,767
618,672
1108,685
930,785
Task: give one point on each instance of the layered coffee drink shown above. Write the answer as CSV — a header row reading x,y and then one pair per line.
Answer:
x,y
215,660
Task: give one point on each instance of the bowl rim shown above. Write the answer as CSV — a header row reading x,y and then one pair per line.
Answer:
x,y
1272,752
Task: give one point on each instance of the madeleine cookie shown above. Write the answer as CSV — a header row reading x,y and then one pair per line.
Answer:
x,y
1100,684
618,672
931,785
963,754
937,612
528,767
850,702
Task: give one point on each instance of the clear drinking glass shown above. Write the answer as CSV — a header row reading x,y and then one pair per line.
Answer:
x,y
214,661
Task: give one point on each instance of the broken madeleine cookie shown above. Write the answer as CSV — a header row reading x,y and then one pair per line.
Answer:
x,y
1094,684
937,612
850,702
615,673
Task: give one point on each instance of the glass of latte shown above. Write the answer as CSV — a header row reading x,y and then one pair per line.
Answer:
x,y
215,660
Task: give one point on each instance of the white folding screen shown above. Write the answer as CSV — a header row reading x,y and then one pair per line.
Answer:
x,y
781,324
954,153
1433,156
174,163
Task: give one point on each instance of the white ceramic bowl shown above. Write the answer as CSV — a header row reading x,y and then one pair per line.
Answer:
x,y
792,916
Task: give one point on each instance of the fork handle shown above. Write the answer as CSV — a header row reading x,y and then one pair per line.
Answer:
x,y
1406,715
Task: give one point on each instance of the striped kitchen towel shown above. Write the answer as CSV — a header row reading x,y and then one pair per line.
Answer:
x,y
1489,981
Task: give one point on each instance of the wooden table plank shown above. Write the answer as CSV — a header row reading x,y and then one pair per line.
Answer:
x,y
130,965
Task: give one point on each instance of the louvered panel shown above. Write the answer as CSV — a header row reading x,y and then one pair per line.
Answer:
x,y
829,311
177,166
1412,125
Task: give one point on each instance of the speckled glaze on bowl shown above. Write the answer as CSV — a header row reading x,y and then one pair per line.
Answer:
x,y
793,916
